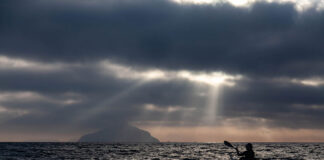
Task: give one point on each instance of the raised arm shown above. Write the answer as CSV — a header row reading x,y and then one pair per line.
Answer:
x,y
238,152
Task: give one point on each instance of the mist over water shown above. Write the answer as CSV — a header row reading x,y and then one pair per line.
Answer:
x,y
156,151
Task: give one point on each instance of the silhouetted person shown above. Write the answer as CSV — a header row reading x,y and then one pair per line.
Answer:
x,y
248,154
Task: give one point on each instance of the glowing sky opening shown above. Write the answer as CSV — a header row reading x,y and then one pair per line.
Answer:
x,y
300,5
209,78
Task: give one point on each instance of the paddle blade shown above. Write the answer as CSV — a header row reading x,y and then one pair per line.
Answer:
x,y
228,144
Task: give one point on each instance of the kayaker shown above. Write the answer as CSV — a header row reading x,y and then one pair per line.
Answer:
x,y
248,154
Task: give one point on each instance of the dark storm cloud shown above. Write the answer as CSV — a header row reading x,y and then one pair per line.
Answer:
x,y
268,39
274,92
284,104
264,43
75,80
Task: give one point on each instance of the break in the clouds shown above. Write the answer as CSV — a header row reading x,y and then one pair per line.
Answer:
x,y
70,67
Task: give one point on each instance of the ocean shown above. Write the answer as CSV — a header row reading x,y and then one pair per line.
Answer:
x,y
185,151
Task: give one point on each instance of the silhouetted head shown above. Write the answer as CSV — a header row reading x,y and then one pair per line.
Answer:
x,y
249,146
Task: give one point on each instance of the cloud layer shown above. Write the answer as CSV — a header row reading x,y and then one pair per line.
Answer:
x,y
78,65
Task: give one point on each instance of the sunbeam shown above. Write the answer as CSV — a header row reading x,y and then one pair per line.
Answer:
x,y
105,105
212,106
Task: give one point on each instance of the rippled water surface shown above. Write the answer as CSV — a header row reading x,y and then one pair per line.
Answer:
x,y
156,151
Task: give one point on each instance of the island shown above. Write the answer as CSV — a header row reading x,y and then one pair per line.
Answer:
x,y
120,134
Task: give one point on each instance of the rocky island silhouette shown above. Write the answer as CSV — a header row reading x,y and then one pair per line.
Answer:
x,y
119,134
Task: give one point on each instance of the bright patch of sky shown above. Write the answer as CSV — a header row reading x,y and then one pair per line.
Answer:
x,y
209,78
8,63
152,107
309,82
300,4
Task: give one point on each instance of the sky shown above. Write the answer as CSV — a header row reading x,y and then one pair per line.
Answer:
x,y
184,70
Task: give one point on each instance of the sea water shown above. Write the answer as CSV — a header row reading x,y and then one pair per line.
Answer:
x,y
26,151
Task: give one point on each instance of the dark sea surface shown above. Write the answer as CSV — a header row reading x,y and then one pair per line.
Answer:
x,y
156,151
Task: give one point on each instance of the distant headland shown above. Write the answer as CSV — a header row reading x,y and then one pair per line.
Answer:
x,y
119,133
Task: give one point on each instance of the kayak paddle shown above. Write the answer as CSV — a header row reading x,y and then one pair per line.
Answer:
x,y
228,144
